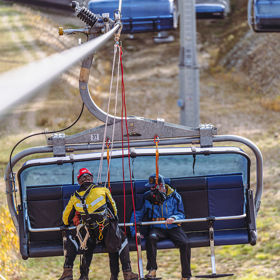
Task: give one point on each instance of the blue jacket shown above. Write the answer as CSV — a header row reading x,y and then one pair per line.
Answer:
x,y
172,207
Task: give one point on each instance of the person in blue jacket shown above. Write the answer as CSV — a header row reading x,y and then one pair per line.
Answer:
x,y
163,203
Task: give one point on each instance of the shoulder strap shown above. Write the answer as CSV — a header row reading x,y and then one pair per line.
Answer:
x,y
83,200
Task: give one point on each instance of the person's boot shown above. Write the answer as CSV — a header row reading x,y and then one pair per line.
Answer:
x,y
67,274
151,274
129,275
84,272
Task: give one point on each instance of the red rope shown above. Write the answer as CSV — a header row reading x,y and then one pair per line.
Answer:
x,y
124,201
128,148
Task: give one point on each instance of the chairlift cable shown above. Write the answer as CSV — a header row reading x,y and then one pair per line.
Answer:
x,y
37,134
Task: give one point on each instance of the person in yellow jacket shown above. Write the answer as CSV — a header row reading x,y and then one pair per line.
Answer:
x,y
91,209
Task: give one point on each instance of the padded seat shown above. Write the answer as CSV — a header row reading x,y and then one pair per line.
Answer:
x,y
203,196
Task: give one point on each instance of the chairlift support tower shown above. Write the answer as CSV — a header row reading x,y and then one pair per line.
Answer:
x,y
189,71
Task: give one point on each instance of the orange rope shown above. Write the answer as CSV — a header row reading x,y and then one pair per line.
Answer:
x,y
108,161
156,140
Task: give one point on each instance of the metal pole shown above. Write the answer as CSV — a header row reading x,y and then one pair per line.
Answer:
x,y
189,72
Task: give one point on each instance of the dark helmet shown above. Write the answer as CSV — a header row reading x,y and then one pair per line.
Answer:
x,y
152,181
156,195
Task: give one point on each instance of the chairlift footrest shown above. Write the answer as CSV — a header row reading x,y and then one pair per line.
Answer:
x,y
214,275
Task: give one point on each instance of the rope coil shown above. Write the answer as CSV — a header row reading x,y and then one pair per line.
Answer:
x,y
83,242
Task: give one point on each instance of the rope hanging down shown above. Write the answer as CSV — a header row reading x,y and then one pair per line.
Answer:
x,y
124,116
156,141
115,114
108,163
106,123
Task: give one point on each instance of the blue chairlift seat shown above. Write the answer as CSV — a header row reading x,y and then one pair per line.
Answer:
x,y
139,15
211,9
204,191
267,15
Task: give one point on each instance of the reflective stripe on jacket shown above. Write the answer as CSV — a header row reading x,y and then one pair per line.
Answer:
x,y
172,207
97,197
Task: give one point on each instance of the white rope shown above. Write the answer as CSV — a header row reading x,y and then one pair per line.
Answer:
x,y
115,114
106,123
120,6
83,242
2,277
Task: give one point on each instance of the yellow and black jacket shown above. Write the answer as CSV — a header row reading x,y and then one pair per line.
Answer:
x,y
97,198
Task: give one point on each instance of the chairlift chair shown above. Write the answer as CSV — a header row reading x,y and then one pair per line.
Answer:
x,y
264,15
211,9
141,15
214,181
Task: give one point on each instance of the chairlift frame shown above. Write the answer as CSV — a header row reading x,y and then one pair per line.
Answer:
x,y
141,133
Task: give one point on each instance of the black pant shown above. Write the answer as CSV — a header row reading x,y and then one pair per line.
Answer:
x,y
123,255
179,238
72,249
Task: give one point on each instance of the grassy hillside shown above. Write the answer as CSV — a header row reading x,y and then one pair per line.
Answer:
x,y
237,96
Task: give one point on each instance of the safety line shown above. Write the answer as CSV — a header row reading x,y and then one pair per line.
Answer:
x,y
106,123
115,114
128,151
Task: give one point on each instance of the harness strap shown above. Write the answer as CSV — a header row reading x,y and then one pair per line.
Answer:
x,y
83,200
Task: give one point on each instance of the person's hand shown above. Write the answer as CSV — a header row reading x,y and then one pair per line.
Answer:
x,y
169,221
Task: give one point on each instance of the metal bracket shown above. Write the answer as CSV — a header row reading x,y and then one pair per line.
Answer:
x,y
138,129
58,143
206,135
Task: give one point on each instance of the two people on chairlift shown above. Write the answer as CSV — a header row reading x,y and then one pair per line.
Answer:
x,y
161,203
93,211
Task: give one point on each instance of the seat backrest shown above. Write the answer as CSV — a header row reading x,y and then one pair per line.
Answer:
x,y
226,198
195,199
123,201
203,196
44,206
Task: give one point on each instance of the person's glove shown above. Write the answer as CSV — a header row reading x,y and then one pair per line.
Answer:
x,y
77,219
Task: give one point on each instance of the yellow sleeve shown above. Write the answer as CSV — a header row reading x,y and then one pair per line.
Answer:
x,y
67,211
112,201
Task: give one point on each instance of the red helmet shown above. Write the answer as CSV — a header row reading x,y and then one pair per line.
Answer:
x,y
83,171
